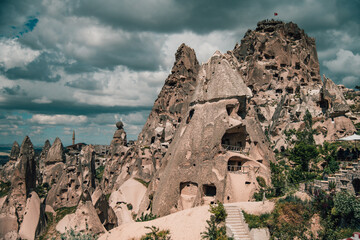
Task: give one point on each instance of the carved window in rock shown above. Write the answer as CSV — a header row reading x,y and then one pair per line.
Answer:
x,y
356,185
235,139
236,164
191,114
209,190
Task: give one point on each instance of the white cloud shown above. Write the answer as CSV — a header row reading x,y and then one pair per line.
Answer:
x,y
350,81
13,54
42,100
346,62
58,119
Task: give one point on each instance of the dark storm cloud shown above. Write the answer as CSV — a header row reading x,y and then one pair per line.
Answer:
x,y
169,16
41,69
14,16
15,90
66,107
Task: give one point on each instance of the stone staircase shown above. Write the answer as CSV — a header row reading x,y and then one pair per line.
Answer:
x,y
235,223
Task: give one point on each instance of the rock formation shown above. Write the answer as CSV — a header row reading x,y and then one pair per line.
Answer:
x,y
22,183
119,139
84,220
43,155
52,162
278,61
56,153
78,176
104,211
34,218
198,165
8,169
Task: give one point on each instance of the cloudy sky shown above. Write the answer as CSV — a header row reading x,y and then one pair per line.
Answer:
x,y
84,64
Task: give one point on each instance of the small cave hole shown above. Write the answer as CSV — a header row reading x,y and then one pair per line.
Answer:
x,y
209,190
191,114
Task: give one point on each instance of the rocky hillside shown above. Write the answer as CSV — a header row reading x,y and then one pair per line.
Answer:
x,y
210,137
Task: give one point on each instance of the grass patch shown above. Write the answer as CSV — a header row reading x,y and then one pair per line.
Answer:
x,y
146,184
255,221
4,188
62,212
99,172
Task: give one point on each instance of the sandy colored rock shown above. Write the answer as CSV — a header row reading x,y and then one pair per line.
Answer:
x,y
196,165
183,225
78,176
106,214
7,170
85,220
34,218
55,153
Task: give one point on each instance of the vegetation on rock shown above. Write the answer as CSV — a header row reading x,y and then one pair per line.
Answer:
x,y
156,234
216,229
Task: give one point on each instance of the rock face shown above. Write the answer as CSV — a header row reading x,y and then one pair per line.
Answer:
x,y
119,139
332,100
22,183
144,158
56,153
34,218
83,220
278,61
43,155
8,169
104,211
78,176
15,151
199,164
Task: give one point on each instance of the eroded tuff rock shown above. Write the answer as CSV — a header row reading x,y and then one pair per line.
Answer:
x,y
56,153
332,100
52,162
119,139
34,218
104,211
8,169
197,169
22,183
84,220
78,176
144,158
278,61
43,155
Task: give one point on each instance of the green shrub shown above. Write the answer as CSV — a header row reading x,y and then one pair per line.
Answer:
x,y
255,221
261,181
62,212
4,188
73,235
219,212
216,225
99,172
129,206
156,234
146,184
146,217
42,190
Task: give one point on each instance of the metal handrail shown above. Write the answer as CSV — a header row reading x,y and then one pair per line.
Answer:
x,y
237,168
235,148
